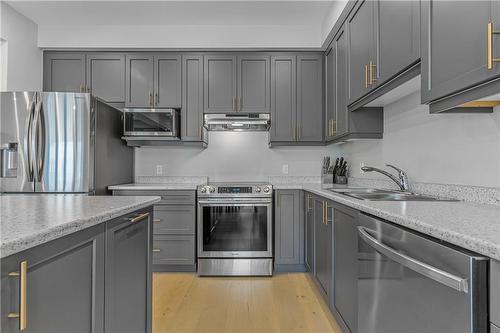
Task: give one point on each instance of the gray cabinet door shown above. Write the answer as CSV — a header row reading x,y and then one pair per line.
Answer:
x,y
192,100
398,36
361,40
128,276
167,80
64,283
310,98
289,233
342,125
323,246
309,233
345,264
64,72
330,91
495,292
139,80
283,98
106,76
454,45
254,84
220,83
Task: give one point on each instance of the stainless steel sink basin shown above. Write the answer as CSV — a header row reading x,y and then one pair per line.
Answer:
x,y
371,194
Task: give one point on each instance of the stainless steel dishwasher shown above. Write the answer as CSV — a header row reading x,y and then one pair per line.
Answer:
x,y
409,283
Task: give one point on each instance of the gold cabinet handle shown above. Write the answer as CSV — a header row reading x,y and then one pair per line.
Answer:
x,y
157,220
489,52
149,98
139,217
334,127
372,69
366,76
23,296
156,250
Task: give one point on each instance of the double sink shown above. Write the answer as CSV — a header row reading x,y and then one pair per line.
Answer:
x,y
372,194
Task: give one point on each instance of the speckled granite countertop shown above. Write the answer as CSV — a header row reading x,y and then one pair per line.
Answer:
x,y
475,227
30,220
153,187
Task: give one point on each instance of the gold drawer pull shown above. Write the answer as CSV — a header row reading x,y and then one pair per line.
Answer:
x,y
157,220
366,76
156,250
139,217
373,79
491,33
23,296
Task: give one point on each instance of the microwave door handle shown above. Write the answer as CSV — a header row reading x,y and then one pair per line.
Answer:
x,y
418,266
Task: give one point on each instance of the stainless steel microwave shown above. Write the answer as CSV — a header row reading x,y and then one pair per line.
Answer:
x,y
151,122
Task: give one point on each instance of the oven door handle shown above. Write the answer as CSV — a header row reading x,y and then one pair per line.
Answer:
x,y
418,266
234,201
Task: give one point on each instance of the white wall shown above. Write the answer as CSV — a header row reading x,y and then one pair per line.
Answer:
x,y
232,156
24,58
462,149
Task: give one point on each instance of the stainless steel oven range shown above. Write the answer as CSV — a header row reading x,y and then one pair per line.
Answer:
x,y
235,234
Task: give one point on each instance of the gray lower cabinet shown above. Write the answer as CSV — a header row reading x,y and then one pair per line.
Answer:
x,y
254,83
192,98
106,76
174,229
64,72
455,56
345,264
495,293
323,244
398,37
289,230
309,233
309,98
95,280
283,98
220,86
361,43
128,275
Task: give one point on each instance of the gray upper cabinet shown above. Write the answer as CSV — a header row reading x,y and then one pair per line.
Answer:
x,y
106,76
330,92
323,246
283,98
398,37
361,43
345,264
64,72
192,98
310,98
128,275
309,233
455,46
139,80
64,285
254,84
289,228
167,80
220,83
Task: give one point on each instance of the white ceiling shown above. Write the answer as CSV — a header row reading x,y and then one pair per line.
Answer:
x,y
257,23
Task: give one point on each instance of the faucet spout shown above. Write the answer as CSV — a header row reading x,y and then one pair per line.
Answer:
x,y
401,181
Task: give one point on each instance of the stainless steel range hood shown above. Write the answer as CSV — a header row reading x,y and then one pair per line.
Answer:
x,y
237,122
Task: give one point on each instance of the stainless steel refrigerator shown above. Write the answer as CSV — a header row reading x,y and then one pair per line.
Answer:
x,y
53,142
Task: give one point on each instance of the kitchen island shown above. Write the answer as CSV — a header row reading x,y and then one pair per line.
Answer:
x,y
76,263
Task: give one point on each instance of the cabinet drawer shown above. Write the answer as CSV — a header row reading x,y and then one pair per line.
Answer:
x,y
174,220
173,250
177,197
495,292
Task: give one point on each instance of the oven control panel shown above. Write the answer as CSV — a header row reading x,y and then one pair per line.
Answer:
x,y
235,189
232,190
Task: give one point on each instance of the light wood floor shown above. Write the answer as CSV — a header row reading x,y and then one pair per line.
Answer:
x,y
184,302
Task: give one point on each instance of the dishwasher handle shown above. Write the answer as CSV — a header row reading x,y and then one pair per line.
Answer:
x,y
418,266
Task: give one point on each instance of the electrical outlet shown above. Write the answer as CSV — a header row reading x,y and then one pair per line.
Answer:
x,y
159,170
284,169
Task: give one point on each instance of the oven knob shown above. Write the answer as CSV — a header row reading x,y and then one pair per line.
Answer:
x,y
203,190
211,189
266,189
258,190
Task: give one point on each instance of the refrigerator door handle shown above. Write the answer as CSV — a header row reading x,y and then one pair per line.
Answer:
x,y
28,141
39,140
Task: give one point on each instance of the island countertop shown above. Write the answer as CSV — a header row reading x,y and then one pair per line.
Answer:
x,y
31,220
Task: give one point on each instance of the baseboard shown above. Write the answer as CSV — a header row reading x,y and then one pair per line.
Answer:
x,y
174,268
289,268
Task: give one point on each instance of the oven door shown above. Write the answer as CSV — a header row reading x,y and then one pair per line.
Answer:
x,y
235,228
151,122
